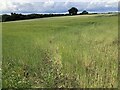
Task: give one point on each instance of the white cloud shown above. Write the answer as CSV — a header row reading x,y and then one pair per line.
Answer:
x,y
7,6
40,6
48,3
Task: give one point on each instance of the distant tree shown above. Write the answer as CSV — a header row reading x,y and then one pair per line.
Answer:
x,y
73,11
5,17
84,12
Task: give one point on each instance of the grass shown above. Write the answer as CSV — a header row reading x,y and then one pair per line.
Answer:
x,y
73,51
0,55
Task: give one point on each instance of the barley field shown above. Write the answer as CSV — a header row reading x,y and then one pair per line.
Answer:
x,y
61,52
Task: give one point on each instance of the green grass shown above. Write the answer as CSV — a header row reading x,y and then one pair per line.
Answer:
x,y
0,55
71,51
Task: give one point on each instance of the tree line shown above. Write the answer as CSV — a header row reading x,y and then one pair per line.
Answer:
x,y
15,16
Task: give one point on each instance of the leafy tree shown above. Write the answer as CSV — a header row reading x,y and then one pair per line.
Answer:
x,y
73,11
84,12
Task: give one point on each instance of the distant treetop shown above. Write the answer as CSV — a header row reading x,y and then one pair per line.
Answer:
x,y
73,11
84,12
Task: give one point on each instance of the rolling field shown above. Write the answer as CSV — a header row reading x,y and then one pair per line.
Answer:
x,y
71,51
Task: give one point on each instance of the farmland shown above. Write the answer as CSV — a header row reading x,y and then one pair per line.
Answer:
x,y
69,51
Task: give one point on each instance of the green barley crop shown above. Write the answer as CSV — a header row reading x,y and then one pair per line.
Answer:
x,y
61,52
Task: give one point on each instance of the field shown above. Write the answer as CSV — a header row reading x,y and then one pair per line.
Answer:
x,y
0,55
71,51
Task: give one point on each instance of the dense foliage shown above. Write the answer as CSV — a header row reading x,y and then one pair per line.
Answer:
x,y
15,16
73,11
84,12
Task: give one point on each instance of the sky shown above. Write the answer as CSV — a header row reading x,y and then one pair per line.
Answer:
x,y
57,6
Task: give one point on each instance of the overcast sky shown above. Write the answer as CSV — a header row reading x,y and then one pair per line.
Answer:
x,y
56,6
